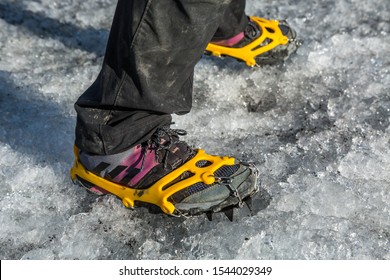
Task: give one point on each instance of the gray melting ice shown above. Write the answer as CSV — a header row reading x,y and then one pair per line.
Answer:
x,y
317,127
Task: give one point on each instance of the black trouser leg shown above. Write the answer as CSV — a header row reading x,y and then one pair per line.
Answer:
x,y
234,21
148,69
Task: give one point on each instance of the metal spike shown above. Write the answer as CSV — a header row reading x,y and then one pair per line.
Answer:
x,y
229,213
248,202
209,216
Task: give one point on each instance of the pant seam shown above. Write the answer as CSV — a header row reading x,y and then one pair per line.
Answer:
x,y
125,74
123,78
137,31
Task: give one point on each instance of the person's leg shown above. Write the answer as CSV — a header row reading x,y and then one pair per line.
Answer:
x,y
234,21
147,71
123,144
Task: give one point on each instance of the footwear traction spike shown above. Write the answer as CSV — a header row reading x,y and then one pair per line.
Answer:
x,y
229,213
248,202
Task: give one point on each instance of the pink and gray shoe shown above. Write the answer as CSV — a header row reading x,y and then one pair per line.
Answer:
x,y
168,173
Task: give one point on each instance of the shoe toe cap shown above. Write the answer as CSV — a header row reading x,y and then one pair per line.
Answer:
x,y
225,193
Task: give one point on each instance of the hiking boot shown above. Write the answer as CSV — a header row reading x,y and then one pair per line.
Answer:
x,y
167,173
263,42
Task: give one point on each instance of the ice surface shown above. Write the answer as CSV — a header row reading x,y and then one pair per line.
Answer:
x,y
317,127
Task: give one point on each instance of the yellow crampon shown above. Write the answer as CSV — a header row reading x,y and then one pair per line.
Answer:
x,y
269,30
159,193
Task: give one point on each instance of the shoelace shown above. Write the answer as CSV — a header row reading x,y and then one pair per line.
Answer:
x,y
170,137
252,30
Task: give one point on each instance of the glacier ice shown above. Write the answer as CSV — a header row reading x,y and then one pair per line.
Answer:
x,y
316,126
